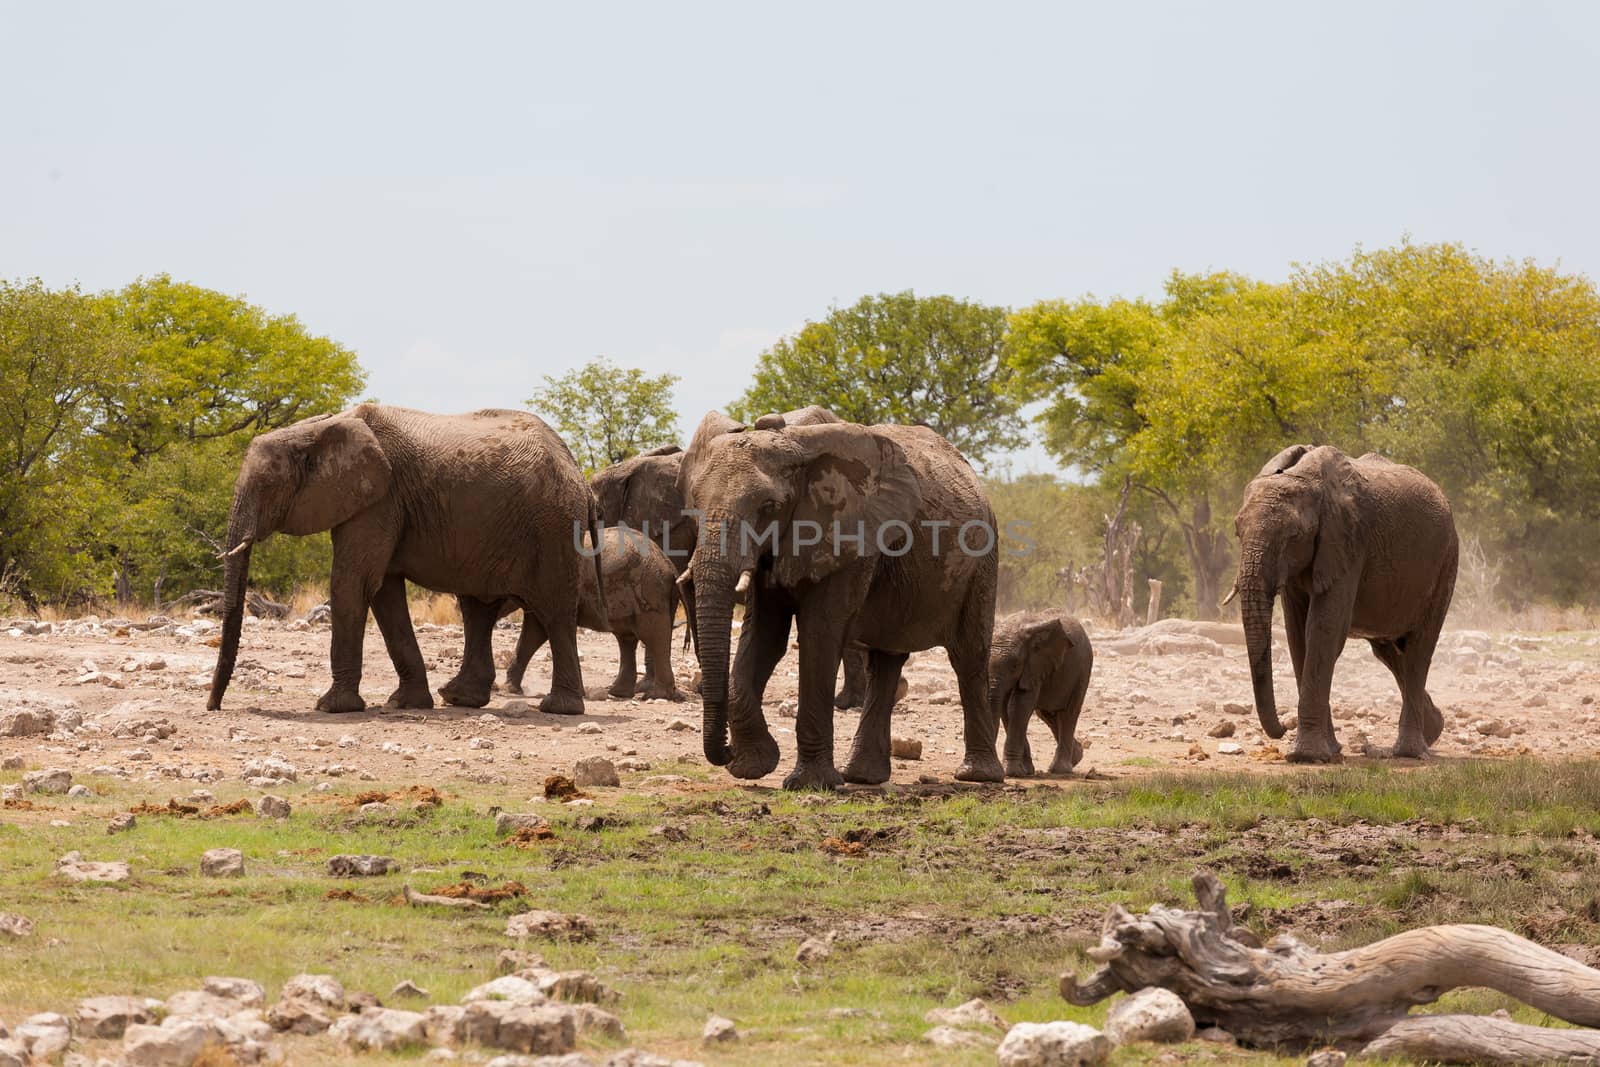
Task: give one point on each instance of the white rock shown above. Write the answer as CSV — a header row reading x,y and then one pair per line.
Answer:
x,y
719,1031
222,863
242,991
381,1029
321,989
54,780
108,1017
1151,1014
594,771
270,806
511,987
975,1012
1057,1044
13,925
74,868
1230,748
539,1029
45,1035
954,1037
178,1042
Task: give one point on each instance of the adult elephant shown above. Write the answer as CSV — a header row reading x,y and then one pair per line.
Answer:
x,y
1358,548
487,506
877,534
642,492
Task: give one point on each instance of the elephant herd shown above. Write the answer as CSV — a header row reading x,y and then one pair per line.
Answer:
x,y
869,542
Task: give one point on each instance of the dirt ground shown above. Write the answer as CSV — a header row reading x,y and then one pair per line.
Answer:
x,y
1162,698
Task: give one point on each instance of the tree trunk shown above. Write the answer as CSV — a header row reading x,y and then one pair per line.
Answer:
x,y
1152,613
1287,994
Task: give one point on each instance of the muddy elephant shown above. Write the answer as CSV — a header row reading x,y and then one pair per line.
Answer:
x,y
642,492
1039,663
879,535
489,506
641,600
1358,548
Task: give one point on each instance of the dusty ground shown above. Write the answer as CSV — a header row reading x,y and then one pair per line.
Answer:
x,y
1157,698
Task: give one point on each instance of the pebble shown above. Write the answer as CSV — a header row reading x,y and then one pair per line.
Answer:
x,y
719,1031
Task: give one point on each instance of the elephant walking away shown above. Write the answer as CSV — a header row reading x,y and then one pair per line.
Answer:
x,y
1357,548
487,506
879,535
641,600
1039,663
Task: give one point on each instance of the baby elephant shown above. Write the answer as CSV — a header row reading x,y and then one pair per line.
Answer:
x,y
641,601
1039,662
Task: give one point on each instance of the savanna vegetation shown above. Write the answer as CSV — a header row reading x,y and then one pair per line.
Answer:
x,y
123,415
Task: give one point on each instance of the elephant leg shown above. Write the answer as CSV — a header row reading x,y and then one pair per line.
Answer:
x,y
352,589
1295,606
474,682
763,640
869,753
529,642
622,686
969,658
658,650
853,693
566,673
1327,627
821,645
1063,724
1018,711
394,622
648,682
1420,721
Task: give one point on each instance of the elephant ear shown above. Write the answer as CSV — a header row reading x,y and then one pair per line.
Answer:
x,y
342,471
662,450
1339,526
853,480
810,415
714,425
1284,460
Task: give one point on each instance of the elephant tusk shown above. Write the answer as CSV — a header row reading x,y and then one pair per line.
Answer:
x,y
744,583
242,546
1231,594
686,579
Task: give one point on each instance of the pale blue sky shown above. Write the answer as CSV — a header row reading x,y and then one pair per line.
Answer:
x,y
472,195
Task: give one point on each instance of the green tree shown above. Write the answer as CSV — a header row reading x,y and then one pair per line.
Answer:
x,y
899,358
607,413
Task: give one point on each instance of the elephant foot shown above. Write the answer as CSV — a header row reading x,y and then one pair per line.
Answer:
x,y
411,696
660,692
847,700
980,767
867,768
1020,767
514,688
341,701
1409,748
620,690
463,693
817,774
557,702
754,758
1306,751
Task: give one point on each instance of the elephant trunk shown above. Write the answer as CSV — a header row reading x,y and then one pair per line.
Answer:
x,y
1257,591
713,627
236,571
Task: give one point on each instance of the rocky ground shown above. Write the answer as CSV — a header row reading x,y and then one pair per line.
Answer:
x,y
128,696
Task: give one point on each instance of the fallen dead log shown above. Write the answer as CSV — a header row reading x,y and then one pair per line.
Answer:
x,y
1482,1039
413,898
209,602
1286,994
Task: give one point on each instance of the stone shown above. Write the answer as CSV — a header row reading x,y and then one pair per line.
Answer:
x,y
108,1017
343,866
719,1031
507,822
551,924
815,949
295,1016
1215,1035
321,989
13,1053
510,987
1057,1044
13,763
1230,748
270,806
1235,709
511,960
14,925
242,991
26,722
1327,1057
1151,1014
74,868
177,1042
121,823
54,780
272,768
1222,729
382,1029
44,1035
541,1029
408,988
222,863
905,748
574,986
975,1012
592,1020
953,1037
594,771
78,792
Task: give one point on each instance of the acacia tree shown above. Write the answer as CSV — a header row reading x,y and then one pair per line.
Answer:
x,y
607,413
900,358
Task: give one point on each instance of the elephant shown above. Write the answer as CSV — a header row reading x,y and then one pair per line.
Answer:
x,y
1039,663
856,534
489,506
641,600
1358,548
642,492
